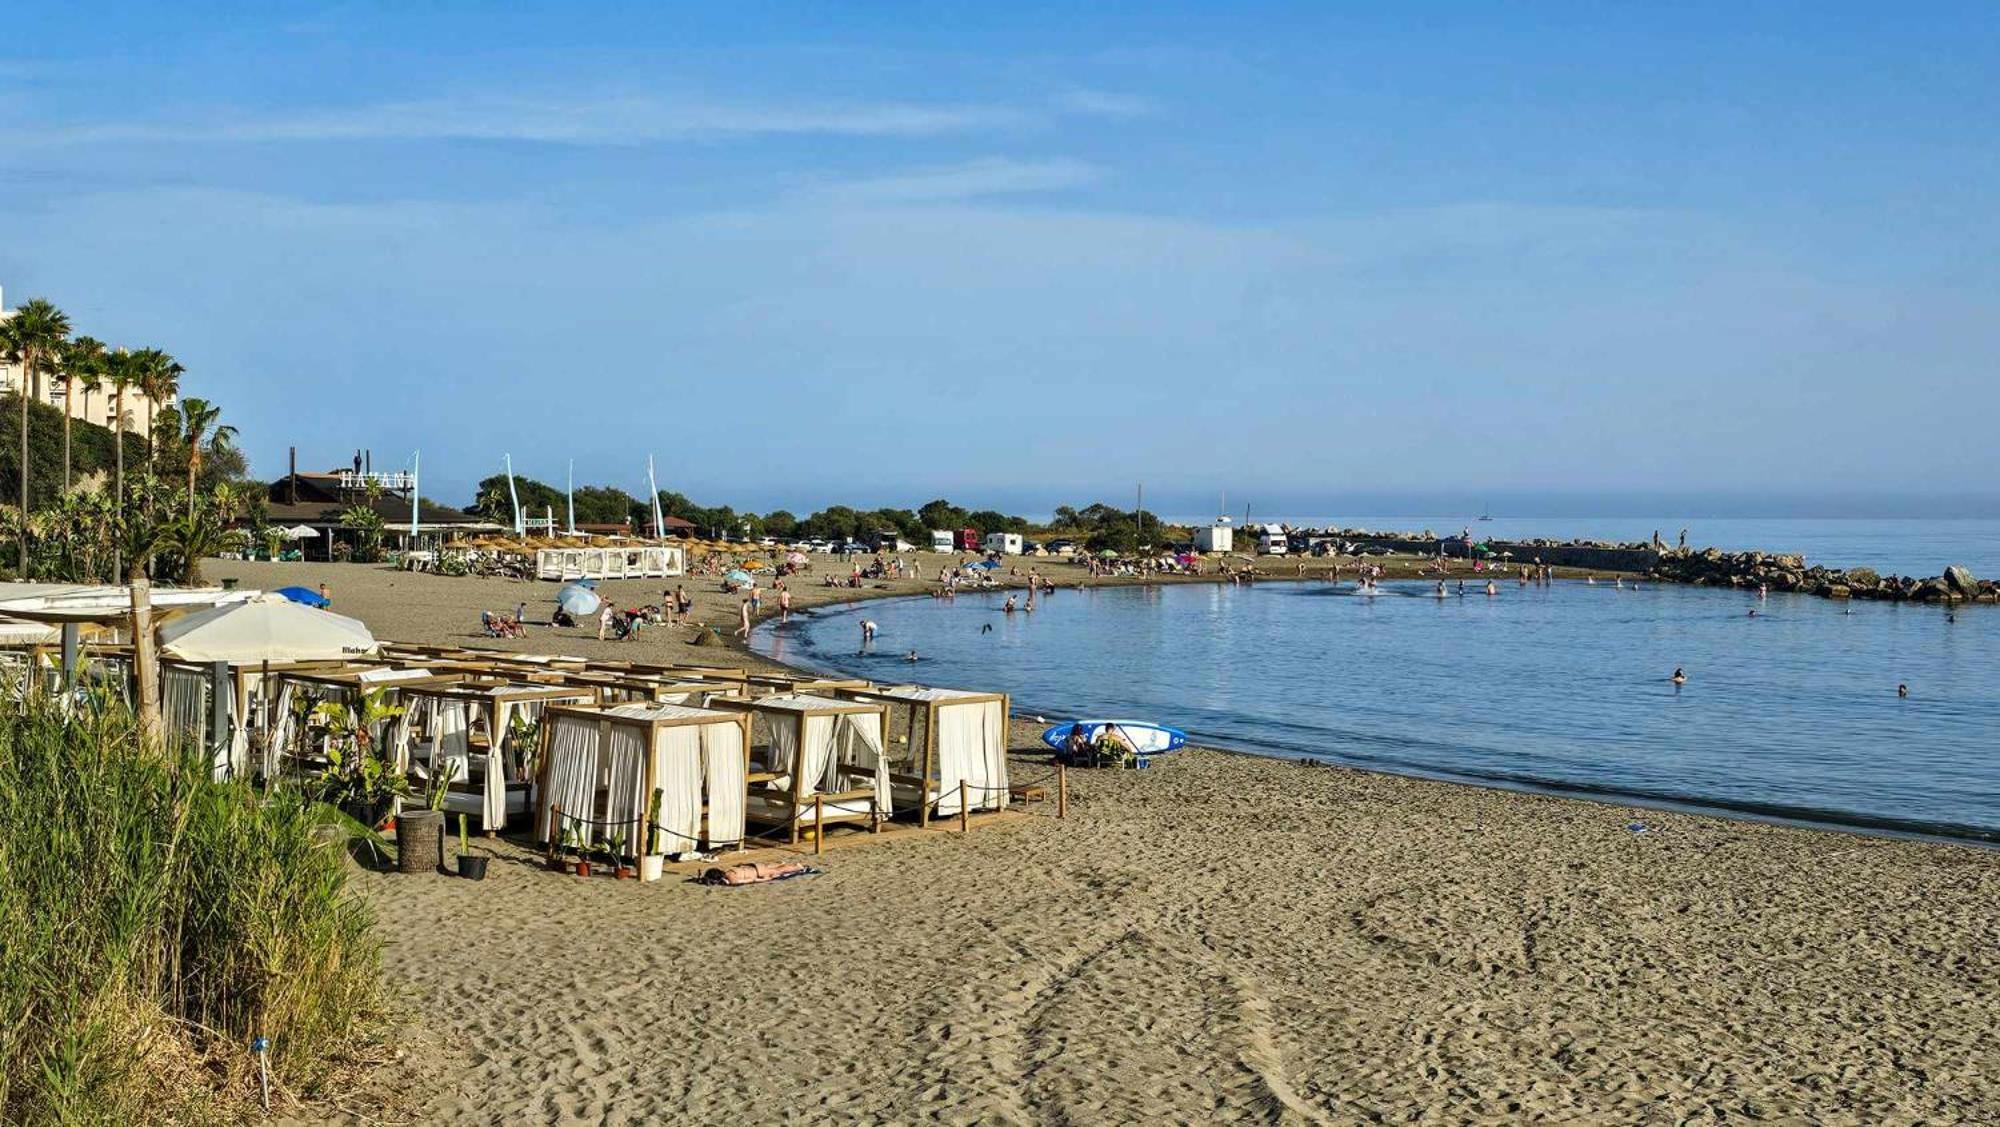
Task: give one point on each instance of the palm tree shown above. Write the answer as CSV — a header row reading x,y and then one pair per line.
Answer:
x,y
198,420
121,371
82,360
34,337
159,379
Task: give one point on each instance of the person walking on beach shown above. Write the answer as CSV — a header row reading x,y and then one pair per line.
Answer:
x,y
756,598
743,619
604,621
784,602
324,594
520,614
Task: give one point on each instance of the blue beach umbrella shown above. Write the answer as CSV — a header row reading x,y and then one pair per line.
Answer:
x,y
737,576
989,565
578,601
305,596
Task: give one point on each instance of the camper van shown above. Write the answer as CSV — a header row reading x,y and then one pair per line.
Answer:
x,y
1005,543
942,541
1271,540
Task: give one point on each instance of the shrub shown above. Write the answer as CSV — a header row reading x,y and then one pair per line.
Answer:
x,y
154,921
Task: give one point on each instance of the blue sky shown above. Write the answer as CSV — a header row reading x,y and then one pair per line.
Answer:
x,y
1023,255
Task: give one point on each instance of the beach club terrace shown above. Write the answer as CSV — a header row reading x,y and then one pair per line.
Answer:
x,y
638,765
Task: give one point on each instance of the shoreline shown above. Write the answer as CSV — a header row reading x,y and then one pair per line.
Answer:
x,y
1855,825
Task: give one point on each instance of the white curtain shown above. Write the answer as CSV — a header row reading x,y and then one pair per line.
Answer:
x,y
571,772
861,746
677,774
971,746
816,759
184,703
449,757
624,762
722,762
280,741
783,753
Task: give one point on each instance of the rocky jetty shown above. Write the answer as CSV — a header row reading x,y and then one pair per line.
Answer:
x,y
1713,567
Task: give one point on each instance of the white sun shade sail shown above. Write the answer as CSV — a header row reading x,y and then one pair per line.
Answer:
x,y
267,628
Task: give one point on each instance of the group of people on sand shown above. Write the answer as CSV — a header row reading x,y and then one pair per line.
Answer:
x,y
1110,746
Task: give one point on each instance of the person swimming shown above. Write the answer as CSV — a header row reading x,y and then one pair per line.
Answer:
x,y
911,656
1008,607
1680,677
1440,590
1491,589
1902,690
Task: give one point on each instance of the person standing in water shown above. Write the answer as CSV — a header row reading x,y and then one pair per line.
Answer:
x,y
1680,677
867,630
784,602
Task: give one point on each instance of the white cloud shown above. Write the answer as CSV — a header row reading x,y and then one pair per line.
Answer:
x,y
970,180
627,120
1104,103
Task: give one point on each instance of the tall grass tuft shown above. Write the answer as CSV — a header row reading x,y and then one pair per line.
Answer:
x,y
152,921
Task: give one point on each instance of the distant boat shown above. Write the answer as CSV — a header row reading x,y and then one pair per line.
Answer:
x,y
1486,513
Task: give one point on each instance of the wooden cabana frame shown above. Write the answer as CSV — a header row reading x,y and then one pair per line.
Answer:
x,y
799,799
491,787
920,708
344,684
718,810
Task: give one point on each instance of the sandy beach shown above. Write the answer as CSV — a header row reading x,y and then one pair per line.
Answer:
x,y
1221,939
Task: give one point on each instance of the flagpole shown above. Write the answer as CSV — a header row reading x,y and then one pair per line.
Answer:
x,y
569,496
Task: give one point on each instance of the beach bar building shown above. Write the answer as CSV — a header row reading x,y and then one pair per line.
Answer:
x,y
662,778
953,742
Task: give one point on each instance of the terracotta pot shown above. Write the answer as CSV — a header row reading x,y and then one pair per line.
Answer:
x,y
627,872
583,868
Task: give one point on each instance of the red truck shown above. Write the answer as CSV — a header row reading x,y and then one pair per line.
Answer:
x,y
968,539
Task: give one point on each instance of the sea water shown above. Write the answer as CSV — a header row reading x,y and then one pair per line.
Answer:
x,y
1791,713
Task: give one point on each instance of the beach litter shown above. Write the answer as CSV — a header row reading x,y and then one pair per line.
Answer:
x,y
1637,827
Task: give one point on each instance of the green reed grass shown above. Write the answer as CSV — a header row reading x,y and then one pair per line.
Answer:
x,y
152,921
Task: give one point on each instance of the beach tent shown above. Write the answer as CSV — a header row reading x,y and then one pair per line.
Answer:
x,y
604,770
949,737
822,755
472,733
299,690
266,628
304,596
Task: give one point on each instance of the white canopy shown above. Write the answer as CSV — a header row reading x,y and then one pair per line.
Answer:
x,y
299,532
105,604
266,628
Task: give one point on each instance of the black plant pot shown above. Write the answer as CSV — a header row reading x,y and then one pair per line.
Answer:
x,y
472,867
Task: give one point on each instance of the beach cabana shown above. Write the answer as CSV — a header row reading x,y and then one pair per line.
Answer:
x,y
299,691
820,754
602,767
472,733
950,737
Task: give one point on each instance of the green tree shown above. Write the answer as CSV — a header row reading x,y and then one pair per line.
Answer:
x,y
942,514
201,423
82,361
32,337
781,523
158,377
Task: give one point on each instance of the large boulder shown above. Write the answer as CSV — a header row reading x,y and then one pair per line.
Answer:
x,y
1961,582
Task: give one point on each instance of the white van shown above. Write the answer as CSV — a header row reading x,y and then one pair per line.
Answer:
x,y
942,541
1271,540
1005,543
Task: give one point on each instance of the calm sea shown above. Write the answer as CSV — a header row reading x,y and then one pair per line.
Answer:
x,y
1792,713
1901,547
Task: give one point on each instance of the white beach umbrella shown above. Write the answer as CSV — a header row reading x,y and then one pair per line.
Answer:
x,y
300,532
266,628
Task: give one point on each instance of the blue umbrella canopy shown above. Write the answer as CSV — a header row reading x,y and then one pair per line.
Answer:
x,y
737,576
989,565
305,596
578,601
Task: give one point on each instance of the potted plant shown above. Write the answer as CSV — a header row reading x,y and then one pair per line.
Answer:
x,y
580,845
620,869
652,865
468,865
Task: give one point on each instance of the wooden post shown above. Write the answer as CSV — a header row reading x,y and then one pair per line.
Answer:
x,y
1062,791
924,774
819,823
555,834
964,811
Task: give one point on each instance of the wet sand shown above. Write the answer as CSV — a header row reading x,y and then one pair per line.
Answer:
x,y
1220,939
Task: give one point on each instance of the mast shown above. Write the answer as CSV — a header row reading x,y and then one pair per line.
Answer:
x,y
416,494
653,488
569,496
514,498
